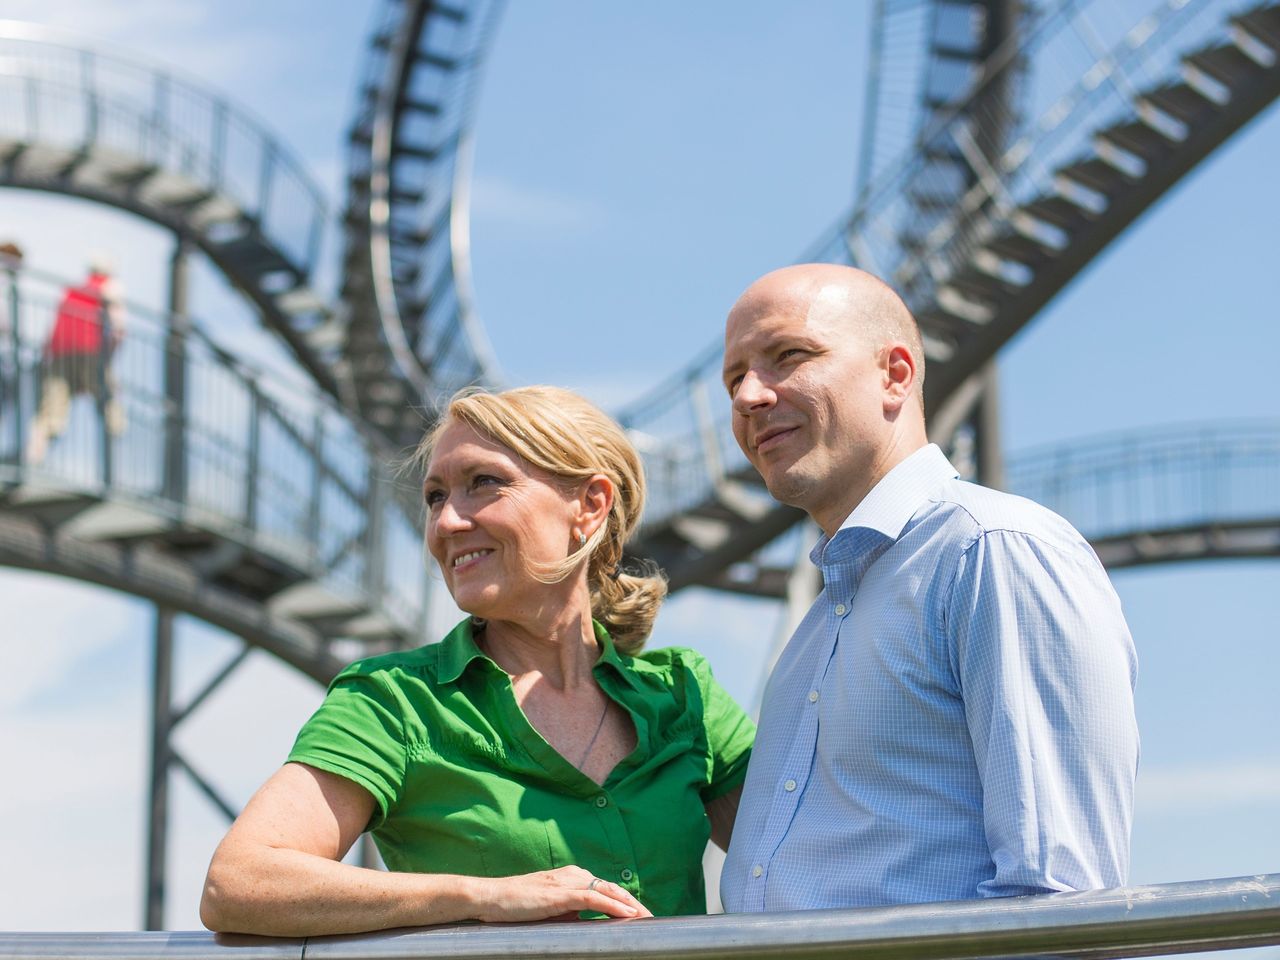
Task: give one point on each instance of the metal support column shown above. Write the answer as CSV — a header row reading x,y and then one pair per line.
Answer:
x,y
161,726
175,377
986,423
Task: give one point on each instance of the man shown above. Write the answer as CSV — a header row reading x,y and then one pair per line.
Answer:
x,y
954,717
87,330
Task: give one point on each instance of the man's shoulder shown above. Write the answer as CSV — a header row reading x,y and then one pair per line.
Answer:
x,y
973,512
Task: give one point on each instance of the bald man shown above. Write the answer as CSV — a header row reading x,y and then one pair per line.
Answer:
x,y
954,717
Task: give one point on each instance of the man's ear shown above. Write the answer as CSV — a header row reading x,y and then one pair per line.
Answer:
x,y
594,503
899,376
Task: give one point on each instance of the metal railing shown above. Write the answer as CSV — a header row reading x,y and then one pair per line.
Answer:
x,y
244,454
1138,921
1170,478
140,116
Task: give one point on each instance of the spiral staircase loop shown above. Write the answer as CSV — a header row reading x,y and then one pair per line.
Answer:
x,y
414,336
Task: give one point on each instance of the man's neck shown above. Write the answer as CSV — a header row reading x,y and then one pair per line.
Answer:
x,y
893,454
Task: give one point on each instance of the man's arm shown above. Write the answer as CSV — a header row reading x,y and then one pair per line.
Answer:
x,y
1046,667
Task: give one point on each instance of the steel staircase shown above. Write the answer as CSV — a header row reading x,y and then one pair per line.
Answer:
x,y
413,336
1135,117
92,125
252,506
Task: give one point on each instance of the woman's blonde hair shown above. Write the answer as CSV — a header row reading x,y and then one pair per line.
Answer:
x,y
559,432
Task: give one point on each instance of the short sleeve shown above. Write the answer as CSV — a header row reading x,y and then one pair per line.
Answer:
x,y
729,732
358,733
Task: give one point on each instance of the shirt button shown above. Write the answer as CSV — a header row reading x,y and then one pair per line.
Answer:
x,y
789,786
626,874
757,870
841,609
602,801
813,696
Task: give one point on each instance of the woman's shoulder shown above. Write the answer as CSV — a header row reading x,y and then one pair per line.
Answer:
x,y
671,663
420,662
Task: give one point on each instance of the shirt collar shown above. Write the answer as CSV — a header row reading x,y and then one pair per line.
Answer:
x,y
459,648
885,512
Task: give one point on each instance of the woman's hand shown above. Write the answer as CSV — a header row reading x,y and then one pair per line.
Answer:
x,y
562,892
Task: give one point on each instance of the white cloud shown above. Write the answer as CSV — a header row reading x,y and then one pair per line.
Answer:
x,y
1207,788
50,614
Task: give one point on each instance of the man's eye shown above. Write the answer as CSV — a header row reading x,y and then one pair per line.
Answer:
x,y
732,385
789,352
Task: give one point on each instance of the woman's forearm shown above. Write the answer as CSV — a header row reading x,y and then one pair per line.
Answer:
x,y
287,893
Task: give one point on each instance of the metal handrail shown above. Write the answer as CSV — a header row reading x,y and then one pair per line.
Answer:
x,y
149,113
1157,479
272,465
1158,919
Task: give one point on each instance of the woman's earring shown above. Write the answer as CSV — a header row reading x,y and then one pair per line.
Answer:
x,y
582,539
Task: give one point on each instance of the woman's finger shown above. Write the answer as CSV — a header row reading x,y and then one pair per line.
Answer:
x,y
611,892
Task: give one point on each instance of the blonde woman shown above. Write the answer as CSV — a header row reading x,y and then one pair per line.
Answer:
x,y
533,764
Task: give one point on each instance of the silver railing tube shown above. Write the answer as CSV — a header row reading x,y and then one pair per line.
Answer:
x,y
1137,921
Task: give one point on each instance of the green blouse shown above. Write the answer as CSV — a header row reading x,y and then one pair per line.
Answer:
x,y
464,784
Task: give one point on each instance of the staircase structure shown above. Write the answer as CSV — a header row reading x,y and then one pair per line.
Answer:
x,y
144,139
413,337
1057,166
1033,136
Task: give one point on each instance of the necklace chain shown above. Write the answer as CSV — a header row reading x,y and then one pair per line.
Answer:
x,y
595,736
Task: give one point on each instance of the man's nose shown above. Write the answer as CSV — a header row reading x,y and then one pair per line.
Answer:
x,y
753,394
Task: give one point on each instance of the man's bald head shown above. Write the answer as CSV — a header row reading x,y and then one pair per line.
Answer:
x,y
847,297
823,365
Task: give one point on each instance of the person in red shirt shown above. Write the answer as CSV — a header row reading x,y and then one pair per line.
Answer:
x,y
88,328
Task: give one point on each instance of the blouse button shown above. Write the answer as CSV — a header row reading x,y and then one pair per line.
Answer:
x,y
602,801
626,874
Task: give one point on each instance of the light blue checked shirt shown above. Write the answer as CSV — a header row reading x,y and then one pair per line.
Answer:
x,y
952,719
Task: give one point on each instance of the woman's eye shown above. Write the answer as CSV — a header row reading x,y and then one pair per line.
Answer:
x,y
484,480
433,497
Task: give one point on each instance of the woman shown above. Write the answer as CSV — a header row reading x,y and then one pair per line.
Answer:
x,y
534,764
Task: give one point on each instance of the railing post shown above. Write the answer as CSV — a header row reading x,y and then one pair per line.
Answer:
x,y
707,432
106,398
253,460
91,97
318,471
175,379
375,532
217,143
13,372
33,109
265,175
161,725
159,112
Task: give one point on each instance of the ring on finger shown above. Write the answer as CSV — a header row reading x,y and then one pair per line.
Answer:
x,y
592,885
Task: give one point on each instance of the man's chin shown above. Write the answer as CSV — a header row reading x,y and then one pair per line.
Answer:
x,y
786,484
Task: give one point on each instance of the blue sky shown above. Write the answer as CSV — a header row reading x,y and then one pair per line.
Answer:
x,y
637,166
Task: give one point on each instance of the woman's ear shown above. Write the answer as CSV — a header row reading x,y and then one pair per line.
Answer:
x,y
594,503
